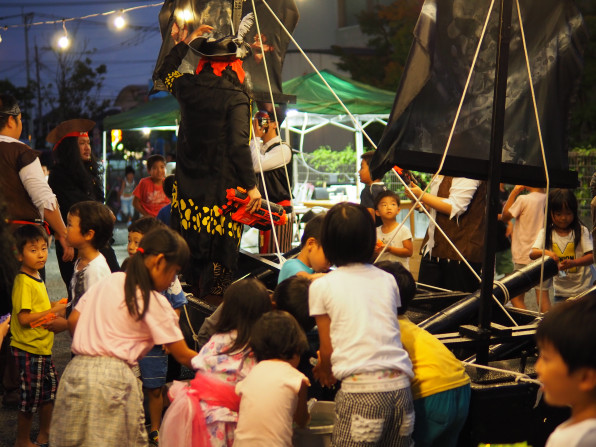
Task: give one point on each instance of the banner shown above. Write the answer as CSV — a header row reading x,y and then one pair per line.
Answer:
x,y
445,40
270,44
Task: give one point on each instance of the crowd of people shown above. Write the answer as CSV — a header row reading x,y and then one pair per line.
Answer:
x,y
331,333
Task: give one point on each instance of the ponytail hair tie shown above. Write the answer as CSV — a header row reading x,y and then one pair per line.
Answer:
x,y
141,250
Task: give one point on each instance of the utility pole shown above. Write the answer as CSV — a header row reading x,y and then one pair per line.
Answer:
x,y
27,19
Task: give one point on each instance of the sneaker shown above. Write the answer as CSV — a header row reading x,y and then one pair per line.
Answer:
x,y
154,438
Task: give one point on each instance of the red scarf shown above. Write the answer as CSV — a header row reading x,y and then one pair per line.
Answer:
x,y
218,67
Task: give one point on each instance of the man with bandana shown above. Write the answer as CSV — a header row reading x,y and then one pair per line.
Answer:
x,y
29,199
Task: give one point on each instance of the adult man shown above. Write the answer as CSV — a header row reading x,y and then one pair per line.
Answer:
x,y
272,156
458,206
28,198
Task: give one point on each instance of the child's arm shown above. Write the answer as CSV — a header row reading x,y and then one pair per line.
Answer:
x,y
4,328
311,276
136,203
586,259
301,416
322,371
506,216
181,352
59,324
26,317
405,252
73,319
537,253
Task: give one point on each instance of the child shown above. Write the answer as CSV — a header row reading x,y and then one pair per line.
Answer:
x,y
149,197
154,366
116,323
440,387
371,187
567,369
398,242
274,393
165,213
568,242
126,197
528,212
311,260
355,307
89,228
32,347
226,359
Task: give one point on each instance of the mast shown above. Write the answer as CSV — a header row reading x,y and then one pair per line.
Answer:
x,y
494,178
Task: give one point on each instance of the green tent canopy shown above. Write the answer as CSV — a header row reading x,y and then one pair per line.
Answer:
x,y
313,96
155,113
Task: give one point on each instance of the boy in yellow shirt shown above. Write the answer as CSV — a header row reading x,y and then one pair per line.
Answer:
x,y
441,387
32,344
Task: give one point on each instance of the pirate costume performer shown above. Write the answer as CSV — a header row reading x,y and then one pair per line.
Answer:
x,y
213,155
75,178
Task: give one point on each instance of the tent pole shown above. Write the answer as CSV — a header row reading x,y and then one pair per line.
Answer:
x,y
359,149
104,162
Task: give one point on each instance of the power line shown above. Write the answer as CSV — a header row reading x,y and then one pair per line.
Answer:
x,y
76,3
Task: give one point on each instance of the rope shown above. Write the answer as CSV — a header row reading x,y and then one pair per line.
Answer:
x,y
538,127
519,377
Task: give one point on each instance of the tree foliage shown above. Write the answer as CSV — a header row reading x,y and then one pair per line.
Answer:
x,y
390,29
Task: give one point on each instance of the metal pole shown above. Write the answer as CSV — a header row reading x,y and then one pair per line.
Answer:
x,y
494,177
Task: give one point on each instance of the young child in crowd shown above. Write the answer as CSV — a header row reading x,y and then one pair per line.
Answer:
x,y
398,240
371,187
567,369
165,213
274,392
149,197
528,212
568,242
440,387
226,359
154,366
99,401
311,261
355,307
32,346
89,228
126,189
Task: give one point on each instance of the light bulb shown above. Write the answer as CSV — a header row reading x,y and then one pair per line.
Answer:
x,y
119,22
64,42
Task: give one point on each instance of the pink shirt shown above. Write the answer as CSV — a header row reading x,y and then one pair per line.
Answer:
x,y
105,328
528,211
151,196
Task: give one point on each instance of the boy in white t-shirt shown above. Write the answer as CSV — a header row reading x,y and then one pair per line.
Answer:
x,y
397,239
89,228
528,212
567,369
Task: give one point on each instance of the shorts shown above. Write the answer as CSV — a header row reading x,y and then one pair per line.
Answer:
x,y
154,368
38,377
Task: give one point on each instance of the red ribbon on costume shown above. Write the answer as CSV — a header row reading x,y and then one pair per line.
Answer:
x,y
218,67
71,134
41,223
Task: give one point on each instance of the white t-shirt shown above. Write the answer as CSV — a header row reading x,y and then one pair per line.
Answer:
x,y
92,273
269,395
528,211
577,279
361,301
582,434
105,328
402,235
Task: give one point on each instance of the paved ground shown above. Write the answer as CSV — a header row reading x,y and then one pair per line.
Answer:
x,y
61,352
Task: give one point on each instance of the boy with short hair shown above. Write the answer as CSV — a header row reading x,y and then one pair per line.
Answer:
x,y
89,228
149,197
567,368
311,261
440,387
32,346
371,187
398,241
154,366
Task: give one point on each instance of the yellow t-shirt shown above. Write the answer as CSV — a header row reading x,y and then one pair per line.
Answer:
x,y
435,367
30,293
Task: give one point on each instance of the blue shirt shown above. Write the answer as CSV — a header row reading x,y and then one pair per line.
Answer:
x,y
292,267
164,214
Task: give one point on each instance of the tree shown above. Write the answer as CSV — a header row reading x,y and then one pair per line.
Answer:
x,y
24,96
390,28
75,93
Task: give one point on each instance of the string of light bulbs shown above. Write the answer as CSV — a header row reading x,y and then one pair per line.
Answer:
x,y
119,22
